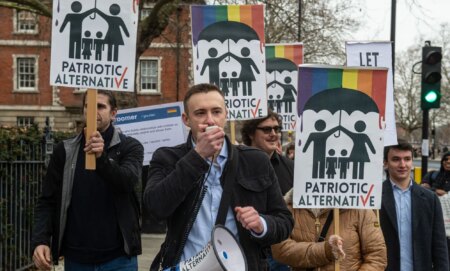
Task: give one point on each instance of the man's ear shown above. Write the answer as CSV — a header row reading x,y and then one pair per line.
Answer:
x,y
113,114
385,165
185,119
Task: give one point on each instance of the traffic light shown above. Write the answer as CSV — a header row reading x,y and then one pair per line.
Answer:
x,y
431,77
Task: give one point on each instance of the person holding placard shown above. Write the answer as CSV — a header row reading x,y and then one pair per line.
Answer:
x,y
91,217
209,181
313,245
411,217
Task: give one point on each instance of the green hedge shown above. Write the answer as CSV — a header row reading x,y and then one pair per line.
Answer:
x,y
21,170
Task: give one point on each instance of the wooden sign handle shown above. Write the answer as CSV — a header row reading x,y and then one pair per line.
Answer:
x,y
91,124
337,267
233,131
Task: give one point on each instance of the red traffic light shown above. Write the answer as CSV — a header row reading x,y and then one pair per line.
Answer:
x,y
433,57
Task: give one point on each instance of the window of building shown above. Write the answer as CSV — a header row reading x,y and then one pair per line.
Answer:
x,y
145,12
25,121
146,9
149,76
26,73
25,22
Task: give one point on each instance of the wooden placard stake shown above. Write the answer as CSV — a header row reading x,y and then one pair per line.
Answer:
x,y
336,231
91,124
233,131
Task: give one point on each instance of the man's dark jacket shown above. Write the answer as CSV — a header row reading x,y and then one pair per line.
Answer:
x,y
284,169
174,181
428,231
120,166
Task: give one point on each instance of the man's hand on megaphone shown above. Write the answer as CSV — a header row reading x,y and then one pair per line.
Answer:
x,y
249,218
209,140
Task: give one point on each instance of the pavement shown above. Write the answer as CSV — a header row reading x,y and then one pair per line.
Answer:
x,y
150,247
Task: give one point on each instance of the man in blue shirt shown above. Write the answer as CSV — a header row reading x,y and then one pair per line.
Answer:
x,y
186,185
411,217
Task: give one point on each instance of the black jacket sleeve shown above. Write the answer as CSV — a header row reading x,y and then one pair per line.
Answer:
x,y
172,174
122,169
45,213
258,187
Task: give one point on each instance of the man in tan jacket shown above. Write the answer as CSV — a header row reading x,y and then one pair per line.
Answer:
x,y
361,241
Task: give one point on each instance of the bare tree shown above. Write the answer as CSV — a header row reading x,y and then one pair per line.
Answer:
x,y
407,91
323,25
148,29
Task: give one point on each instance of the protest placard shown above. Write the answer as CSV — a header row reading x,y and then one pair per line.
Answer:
x,y
445,203
377,54
228,51
154,126
94,44
339,137
281,77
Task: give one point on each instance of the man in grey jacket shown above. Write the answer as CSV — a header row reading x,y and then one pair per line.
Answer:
x,y
91,217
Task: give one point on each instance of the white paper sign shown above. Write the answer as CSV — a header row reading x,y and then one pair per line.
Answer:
x,y
94,44
445,202
377,54
154,126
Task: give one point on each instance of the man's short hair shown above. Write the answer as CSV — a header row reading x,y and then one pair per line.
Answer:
x,y
199,88
402,145
249,126
108,93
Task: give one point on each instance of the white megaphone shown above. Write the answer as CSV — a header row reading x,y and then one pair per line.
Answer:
x,y
222,253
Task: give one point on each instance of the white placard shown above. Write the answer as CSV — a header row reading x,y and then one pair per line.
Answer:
x,y
377,54
154,126
339,137
231,55
94,44
445,203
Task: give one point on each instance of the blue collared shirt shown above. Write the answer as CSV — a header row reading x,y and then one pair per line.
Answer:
x,y
200,233
404,224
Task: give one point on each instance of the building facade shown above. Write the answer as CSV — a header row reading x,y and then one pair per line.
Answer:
x,y
163,71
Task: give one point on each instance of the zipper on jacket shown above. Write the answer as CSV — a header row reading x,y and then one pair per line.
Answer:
x,y
190,223
317,224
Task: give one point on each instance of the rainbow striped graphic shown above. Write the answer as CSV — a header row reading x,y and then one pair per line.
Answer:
x,y
251,15
172,110
293,52
314,79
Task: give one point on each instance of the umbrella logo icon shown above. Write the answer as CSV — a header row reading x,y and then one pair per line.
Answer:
x,y
278,66
352,108
240,78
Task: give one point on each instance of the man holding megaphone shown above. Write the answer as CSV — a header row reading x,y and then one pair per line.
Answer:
x,y
209,181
